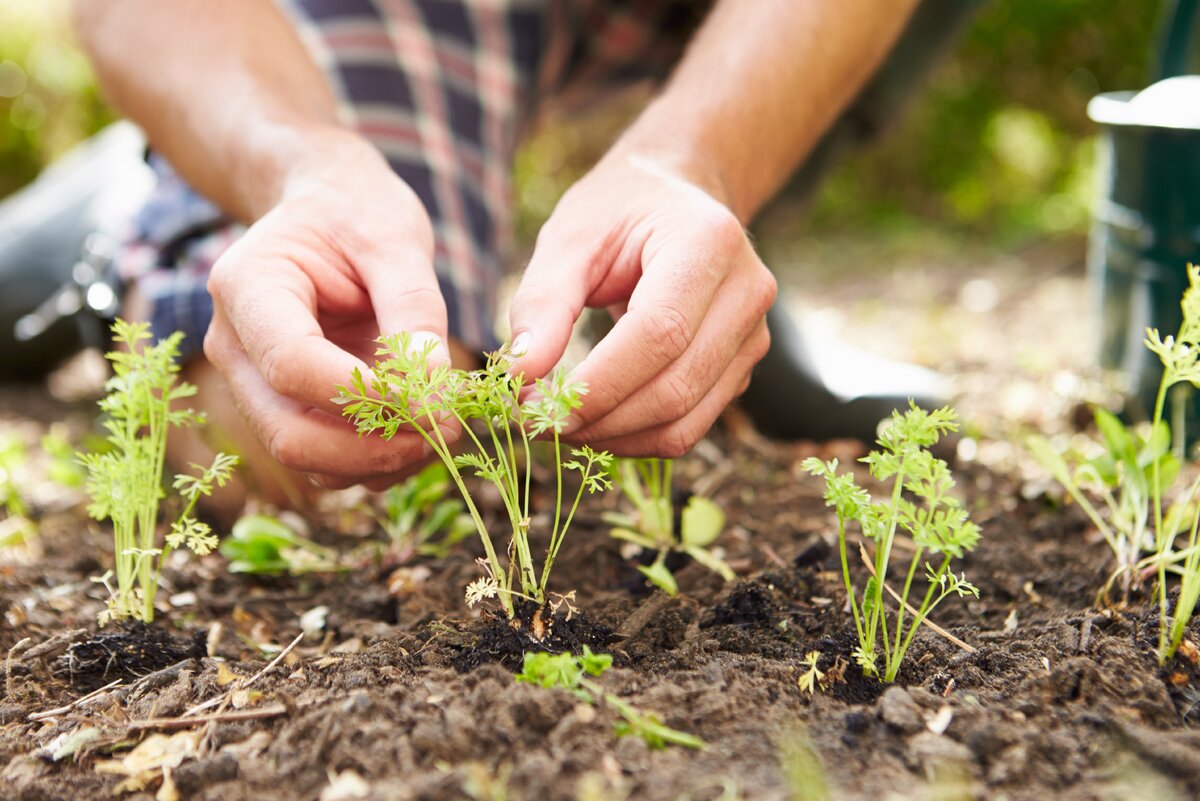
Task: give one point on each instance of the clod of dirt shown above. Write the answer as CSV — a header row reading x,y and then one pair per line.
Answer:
x,y
749,602
900,711
133,650
534,628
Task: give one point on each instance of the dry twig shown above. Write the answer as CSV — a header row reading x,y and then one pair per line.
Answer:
x,y
62,710
272,711
862,552
248,682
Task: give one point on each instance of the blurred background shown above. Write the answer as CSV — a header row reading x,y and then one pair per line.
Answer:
x,y
958,240
998,146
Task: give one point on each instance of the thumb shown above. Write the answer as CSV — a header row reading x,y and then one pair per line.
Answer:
x,y
549,299
406,297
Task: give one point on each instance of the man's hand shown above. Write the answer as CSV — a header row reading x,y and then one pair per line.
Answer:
x,y
654,232
297,302
688,293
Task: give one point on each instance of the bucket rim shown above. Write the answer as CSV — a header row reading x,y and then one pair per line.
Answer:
x,y
1112,108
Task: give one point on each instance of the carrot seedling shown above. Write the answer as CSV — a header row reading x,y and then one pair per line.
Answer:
x,y
420,518
576,673
265,545
406,393
646,484
125,481
939,527
1137,475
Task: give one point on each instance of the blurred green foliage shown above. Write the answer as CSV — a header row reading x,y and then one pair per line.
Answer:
x,y
48,97
998,144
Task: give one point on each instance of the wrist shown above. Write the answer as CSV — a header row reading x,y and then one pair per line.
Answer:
x,y
680,148
295,159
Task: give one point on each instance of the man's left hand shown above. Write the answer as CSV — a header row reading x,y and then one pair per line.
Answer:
x,y
674,266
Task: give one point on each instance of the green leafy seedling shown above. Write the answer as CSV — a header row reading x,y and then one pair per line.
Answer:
x,y
408,393
576,673
937,523
646,484
1136,476
265,545
1124,477
125,479
418,511
15,528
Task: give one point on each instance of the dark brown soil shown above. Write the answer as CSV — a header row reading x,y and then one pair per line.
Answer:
x,y
399,695
1058,701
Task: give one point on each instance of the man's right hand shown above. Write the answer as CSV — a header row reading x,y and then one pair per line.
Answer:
x,y
347,253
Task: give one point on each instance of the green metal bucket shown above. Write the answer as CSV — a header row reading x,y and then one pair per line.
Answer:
x,y
1146,221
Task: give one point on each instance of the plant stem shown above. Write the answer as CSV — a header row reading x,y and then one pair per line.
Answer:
x,y
443,451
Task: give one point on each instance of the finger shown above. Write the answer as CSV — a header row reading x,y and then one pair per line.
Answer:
x,y
372,483
666,312
674,392
406,297
672,440
550,298
272,312
303,438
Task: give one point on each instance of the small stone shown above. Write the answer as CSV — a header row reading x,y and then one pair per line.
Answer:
x,y
857,722
932,751
900,711
191,777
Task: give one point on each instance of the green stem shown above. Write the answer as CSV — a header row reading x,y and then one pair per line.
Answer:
x,y
1160,539
922,613
443,451
883,552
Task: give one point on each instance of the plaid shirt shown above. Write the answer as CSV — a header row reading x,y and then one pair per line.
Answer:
x,y
444,89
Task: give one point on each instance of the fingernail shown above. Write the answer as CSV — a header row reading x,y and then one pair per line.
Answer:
x,y
419,341
520,345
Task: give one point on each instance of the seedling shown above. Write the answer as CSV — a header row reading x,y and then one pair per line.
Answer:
x,y
646,484
265,545
938,525
812,676
406,392
125,482
418,511
570,672
16,528
1138,472
1123,475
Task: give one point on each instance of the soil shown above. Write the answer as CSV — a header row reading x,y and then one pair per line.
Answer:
x,y
405,693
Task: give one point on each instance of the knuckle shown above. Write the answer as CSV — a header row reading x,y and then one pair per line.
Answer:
x,y
280,370
677,395
670,334
728,236
765,291
421,296
675,442
285,449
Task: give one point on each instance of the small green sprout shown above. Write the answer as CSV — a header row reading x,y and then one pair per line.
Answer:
x,y
570,672
125,481
418,511
16,528
1141,470
646,484
939,527
811,677
406,392
265,545
1124,477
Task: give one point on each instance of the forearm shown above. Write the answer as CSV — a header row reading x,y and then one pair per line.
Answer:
x,y
759,85
223,88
